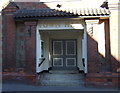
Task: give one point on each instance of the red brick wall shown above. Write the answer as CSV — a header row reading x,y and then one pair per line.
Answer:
x,y
30,45
103,80
9,49
101,70
9,52
93,57
9,42
9,46
9,37
96,62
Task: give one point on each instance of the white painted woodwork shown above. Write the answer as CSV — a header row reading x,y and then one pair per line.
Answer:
x,y
85,50
57,29
60,24
38,50
79,52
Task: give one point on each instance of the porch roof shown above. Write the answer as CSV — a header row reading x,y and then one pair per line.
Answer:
x,y
47,12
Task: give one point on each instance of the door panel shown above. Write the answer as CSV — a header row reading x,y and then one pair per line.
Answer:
x,y
58,62
70,62
71,47
64,53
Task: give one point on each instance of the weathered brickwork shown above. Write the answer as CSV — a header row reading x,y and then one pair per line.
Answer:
x,y
93,56
103,80
20,46
19,51
9,38
96,61
102,71
18,65
30,44
20,77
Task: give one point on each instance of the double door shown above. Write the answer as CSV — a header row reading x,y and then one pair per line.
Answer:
x,y
64,54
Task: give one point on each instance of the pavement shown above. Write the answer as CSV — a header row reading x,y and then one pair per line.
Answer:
x,y
12,87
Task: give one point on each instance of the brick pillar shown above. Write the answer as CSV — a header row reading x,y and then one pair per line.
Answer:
x,y
98,41
30,46
107,46
9,39
99,65
92,47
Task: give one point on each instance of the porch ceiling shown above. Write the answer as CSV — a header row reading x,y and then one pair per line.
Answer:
x,y
62,34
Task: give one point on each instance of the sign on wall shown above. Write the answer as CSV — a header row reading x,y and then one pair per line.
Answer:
x,y
61,24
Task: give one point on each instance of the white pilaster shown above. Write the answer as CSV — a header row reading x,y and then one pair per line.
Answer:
x,y
38,49
84,41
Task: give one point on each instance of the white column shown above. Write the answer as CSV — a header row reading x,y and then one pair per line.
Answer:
x,y
38,49
84,41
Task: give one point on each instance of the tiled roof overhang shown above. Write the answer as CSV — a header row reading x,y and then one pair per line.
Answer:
x,y
47,12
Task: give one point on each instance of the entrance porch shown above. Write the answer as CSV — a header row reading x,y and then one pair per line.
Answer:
x,y
56,45
25,34
61,52
60,45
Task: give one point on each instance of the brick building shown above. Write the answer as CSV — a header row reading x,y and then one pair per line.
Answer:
x,y
40,37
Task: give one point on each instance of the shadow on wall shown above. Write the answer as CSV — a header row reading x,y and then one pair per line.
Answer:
x,y
97,63
13,57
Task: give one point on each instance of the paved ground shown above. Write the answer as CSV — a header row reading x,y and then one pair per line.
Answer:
x,y
23,87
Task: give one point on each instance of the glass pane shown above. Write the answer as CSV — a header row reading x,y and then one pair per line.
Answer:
x,y
70,47
57,47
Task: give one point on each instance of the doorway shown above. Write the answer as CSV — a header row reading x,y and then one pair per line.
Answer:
x,y
64,54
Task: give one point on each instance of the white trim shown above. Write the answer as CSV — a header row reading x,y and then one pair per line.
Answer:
x,y
85,49
38,49
74,47
70,65
58,24
58,65
61,48
105,16
92,21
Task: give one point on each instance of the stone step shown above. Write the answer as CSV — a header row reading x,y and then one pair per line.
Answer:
x,y
64,71
61,83
62,76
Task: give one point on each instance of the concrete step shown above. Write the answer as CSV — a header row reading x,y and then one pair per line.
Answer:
x,y
61,83
61,76
64,71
